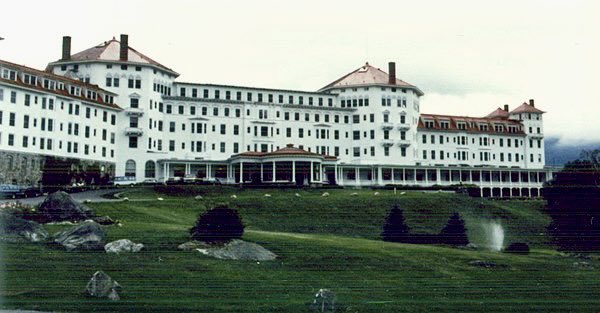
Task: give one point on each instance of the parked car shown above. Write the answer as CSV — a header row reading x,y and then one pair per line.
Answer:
x,y
8,191
124,181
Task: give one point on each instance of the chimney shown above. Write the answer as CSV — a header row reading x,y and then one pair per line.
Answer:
x,y
506,107
392,73
124,47
531,103
66,48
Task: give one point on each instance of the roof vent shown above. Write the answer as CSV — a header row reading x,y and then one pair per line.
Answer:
x,y
124,47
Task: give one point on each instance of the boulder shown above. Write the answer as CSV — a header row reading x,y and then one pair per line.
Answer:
x,y
198,197
325,194
103,286
583,265
123,245
85,236
193,245
324,301
15,230
480,263
60,206
234,250
103,220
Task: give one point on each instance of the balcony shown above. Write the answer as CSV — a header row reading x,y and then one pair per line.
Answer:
x,y
387,126
538,135
403,127
133,131
134,112
403,143
387,142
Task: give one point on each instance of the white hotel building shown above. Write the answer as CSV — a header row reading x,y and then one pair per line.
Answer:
x,y
113,105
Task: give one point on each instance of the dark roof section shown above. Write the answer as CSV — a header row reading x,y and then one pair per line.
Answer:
x,y
471,124
108,51
257,88
498,113
60,92
368,75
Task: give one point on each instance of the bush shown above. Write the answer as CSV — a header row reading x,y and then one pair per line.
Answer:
x,y
395,228
518,247
454,233
218,225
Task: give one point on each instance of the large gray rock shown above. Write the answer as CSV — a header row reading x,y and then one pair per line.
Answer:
x,y
123,245
234,250
60,206
15,230
103,286
85,236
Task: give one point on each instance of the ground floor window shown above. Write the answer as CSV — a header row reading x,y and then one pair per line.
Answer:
x,y
150,171
130,168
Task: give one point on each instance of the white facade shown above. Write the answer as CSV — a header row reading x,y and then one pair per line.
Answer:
x,y
368,119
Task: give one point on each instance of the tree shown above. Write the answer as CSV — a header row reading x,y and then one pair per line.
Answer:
x,y
218,225
454,233
573,203
395,228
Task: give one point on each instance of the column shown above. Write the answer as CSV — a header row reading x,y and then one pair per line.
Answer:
x,y
165,172
322,172
426,177
261,173
335,173
470,177
294,171
437,175
241,172
274,172
357,176
341,172
415,176
379,176
209,172
312,174
393,178
187,169
168,171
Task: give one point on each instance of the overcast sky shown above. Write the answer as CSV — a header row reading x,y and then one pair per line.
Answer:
x,y
469,57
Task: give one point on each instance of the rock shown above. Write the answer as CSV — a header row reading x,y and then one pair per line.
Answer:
x,y
85,236
160,199
125,199
103,220
123,245
583,265
234,250
325,194
103,286
480,263
198,197
267,195
60,206
233,197
193,245
87,201
354,194
15,230
297,195
324,301
376,193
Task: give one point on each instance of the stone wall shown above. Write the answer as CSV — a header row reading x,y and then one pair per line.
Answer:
x,y
27,169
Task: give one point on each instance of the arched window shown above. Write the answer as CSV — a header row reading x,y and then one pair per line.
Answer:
x,y
130,168
150,171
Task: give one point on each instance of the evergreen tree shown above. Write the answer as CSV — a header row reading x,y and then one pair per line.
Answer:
x,y
218,225
395,228
454,233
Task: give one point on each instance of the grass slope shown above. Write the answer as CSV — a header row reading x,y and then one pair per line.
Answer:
x,y
324,246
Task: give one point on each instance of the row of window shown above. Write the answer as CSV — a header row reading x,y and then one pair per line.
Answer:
x,y
46,144
260,97
484,156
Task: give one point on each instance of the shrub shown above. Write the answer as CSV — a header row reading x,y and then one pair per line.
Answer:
x,y
454,233
218,225
395,228
518,247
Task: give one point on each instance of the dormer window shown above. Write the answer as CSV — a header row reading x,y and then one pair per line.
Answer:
x,y
461,126
483,127
444,124
498,128
29,79
429,124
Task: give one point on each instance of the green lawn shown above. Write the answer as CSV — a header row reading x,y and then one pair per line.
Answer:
x,y
323,242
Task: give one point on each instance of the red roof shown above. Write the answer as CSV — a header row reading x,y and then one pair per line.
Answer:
x,y
288,150
110,51
498,113
471,124
368,75
62,92
526,108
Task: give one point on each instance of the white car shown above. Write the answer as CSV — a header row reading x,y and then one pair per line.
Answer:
x,y
124,181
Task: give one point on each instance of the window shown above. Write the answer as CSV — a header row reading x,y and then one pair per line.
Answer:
x,y
11,119
133,142
171,145
130,168
13,97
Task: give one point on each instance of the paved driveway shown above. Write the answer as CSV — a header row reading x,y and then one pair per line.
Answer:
x,y
93,195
